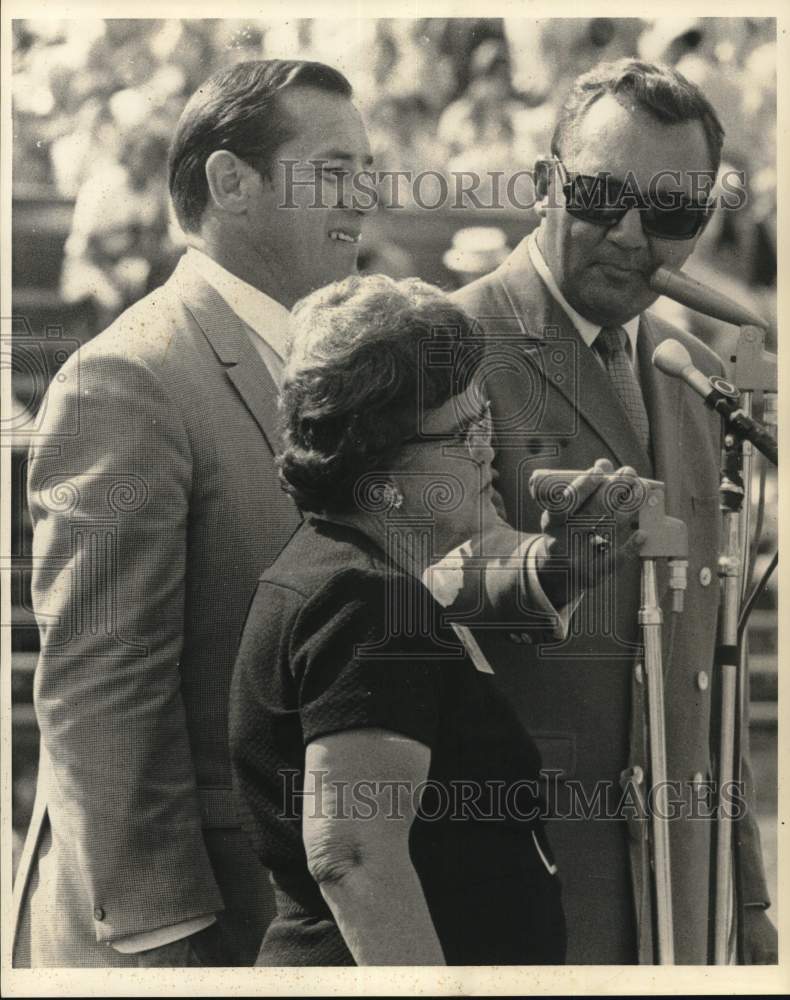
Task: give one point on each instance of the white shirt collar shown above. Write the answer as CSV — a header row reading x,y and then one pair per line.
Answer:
x,y
587,331
263,315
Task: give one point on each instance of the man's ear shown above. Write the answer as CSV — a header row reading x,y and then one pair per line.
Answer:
x,y
229,180
542,173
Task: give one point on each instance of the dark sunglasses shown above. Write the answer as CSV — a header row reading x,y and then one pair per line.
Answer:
x,y
604,201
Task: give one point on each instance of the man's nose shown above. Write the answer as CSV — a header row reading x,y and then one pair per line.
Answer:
x,y
628,232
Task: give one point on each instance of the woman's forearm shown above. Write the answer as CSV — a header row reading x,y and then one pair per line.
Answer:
x,y
381,911
362,865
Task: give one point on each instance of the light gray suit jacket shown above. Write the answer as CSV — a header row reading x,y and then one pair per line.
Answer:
x,y
156,506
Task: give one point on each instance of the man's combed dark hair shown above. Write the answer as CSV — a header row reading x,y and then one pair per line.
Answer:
x,y
369,356
238,109
658,89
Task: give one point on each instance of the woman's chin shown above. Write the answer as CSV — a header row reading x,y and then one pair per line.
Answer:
x,y
497,502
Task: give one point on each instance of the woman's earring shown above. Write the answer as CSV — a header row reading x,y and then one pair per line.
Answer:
x,y
391,496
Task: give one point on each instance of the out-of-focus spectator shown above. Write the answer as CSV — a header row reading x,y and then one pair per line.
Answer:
x,y
483,115
348,44
476,251
491,128
119,235
122,55
90,147
421,65
458,37
547,53
402,132
669,39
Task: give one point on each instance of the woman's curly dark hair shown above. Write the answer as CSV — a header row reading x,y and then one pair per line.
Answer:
x,y
368,356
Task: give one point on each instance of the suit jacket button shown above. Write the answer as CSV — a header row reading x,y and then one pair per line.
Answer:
x,y
98,913
702,681
515,637
705,576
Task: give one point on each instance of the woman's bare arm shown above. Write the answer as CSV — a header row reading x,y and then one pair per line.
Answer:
x,y
360,801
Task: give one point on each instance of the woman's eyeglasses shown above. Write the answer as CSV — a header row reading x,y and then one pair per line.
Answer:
x,y
604,201
475,434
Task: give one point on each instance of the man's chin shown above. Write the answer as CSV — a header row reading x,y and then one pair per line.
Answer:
x,y
613,307
328,277
341,270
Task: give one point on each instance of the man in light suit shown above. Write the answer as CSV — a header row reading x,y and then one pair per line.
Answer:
x,y
156,506
569,374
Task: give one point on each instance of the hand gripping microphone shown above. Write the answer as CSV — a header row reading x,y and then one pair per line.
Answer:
x,y
672,358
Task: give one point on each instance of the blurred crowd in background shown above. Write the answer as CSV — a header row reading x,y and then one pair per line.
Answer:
x,y
95,103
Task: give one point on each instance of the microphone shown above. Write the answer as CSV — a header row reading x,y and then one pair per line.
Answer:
x,y
680,287
672,358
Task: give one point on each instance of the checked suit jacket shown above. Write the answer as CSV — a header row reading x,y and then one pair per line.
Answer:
x,y
156,506
555,407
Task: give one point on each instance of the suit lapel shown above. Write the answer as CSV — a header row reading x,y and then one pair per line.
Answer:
x,y
587,387
230,341
257,389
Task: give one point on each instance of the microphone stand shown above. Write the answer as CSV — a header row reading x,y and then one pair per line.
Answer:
x,y
665,538
728,660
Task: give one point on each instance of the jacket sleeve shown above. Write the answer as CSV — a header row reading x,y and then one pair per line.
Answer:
x,y
109,488
491,581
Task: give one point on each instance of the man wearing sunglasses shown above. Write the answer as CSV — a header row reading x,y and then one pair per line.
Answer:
x,y
569,344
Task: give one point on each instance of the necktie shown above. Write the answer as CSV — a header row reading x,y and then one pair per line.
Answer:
x,y
610,346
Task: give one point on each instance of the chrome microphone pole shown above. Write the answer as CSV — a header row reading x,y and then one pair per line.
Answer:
x,y
728,659
665,538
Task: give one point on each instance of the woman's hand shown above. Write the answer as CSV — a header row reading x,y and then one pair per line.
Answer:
x,y
591,533
359,805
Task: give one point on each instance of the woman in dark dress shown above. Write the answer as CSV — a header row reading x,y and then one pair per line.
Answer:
x,y
382,777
